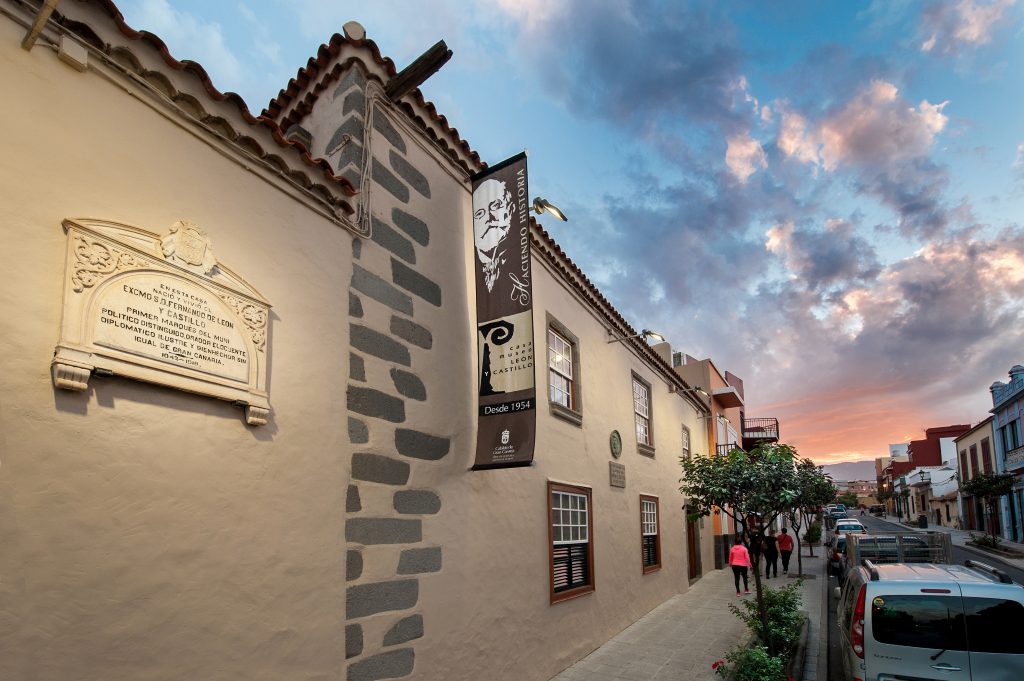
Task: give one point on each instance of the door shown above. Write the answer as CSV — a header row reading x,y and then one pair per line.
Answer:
x,y
916,635
693,548
993,625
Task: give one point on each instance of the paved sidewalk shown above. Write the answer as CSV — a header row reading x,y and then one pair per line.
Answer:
x,y
682,637
960,538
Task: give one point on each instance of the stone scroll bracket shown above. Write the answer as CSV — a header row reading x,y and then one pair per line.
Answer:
x,y
161,309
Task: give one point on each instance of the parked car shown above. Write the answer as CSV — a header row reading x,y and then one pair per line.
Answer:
x,y
878,509
902,547
835,554
847,526
833,516
930,621
841,507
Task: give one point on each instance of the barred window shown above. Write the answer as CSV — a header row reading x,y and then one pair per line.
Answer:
x,y
572,555
560,370
650,546
642,411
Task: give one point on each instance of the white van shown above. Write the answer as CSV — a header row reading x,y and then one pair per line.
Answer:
x,y
924,621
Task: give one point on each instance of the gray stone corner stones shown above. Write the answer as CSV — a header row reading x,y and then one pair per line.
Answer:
x,y
411,225
419,561
383,234
382,125
412,332
415,178
353,565
379,468
354,76
409,385
370,402
358,433
354,101
353,127
385,178
417,445
356,367
373,286
369,531
417,501
377,344
357,247
363,600
353,640
390,665
414,282
353,504
405,630
355,306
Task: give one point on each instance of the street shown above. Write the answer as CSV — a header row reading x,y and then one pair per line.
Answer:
x,y
878,526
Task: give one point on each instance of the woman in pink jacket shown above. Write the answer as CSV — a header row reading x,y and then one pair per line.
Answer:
x,y
739,559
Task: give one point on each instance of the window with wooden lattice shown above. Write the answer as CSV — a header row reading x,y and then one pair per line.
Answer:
x,y
650,534
571,525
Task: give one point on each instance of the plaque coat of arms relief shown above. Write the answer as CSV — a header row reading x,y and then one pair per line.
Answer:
x,y
160,309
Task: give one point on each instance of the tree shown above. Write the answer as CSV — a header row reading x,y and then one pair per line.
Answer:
x,y
753,488
814,489
990,487
848,499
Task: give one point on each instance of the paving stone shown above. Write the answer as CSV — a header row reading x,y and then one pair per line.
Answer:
x,y
383,530
411,225
380,290
419,561
413,281
379,468
393,664
409,385
356,367
411,331
405,630
385,178
370,402
358,433
417,501
362,600
353,77
353,565
379,345
408,172
353,640
382,125
353,504
387,237
355,305
417,445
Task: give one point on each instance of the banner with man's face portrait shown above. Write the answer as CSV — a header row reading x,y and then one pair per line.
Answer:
x,y
507,395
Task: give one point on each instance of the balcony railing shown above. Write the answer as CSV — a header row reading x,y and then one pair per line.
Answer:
x,y
721,450
756,431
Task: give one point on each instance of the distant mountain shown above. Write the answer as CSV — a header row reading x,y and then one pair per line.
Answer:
x,y
851,470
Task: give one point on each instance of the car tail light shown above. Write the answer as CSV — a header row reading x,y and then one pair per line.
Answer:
x,y
857,627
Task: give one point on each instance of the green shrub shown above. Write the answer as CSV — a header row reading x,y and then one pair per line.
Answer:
x,y
784,618
751,664
813,533
990,541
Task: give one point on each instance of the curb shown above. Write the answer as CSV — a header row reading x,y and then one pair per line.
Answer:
x,y
795,667
985,554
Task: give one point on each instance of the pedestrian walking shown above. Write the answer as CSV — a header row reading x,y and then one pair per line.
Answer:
x,y
739,560
771,554
785,549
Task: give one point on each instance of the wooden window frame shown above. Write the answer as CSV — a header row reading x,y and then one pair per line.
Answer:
x,y
573,414
687,441
645,448
986,456
975,469
583,589
647,569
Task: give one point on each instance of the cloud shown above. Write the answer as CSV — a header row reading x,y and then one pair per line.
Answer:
x,y
954,27
822,258
744,156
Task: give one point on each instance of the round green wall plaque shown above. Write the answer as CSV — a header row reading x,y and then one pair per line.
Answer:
x,y
615,441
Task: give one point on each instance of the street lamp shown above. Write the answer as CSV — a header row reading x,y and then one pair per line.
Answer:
x,y
543,205
646,334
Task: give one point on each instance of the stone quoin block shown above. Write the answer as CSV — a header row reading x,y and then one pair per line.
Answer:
x,y
362,600
411,225
355,306
353,640
412,332
370,402
382,125
419,561
393,664
356,367
383,530
353,503
377,344
383,234
385,178
352,175
379,468
353,127
353,565
370,284
353,77
414,282
351,155
357,247
358,433
417,501
405,630
409,385
417,445
408,172
354,101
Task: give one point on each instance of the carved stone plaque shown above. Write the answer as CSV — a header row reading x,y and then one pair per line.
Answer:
x,y
160,309
616,474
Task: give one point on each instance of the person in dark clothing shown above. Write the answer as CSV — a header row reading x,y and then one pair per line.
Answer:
x,y
771,554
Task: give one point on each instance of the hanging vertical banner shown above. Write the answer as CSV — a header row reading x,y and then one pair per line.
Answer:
x,y
504,316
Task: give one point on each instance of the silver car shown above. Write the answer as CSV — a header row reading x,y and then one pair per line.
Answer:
x,y
925,621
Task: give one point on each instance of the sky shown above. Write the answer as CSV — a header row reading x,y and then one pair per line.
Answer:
x,y
826,198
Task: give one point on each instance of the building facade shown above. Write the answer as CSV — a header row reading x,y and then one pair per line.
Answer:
x,y
1007,408
975,455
